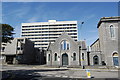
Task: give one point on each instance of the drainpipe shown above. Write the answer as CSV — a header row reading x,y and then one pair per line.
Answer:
x,y
79,56
51,56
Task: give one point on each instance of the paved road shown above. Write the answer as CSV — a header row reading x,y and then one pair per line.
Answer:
x,y
40,73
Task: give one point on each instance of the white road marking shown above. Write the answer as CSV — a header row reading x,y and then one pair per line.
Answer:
x,y
65,76
57,75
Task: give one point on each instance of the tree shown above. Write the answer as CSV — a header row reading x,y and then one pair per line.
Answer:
x,y
7,33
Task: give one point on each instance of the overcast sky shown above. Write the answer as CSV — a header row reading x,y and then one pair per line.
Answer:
x,y
15,13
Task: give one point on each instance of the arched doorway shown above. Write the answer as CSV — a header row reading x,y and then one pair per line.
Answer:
x,y
96,60
64,59
115,59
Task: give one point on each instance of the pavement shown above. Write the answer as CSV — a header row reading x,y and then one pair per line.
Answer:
x,y
32,72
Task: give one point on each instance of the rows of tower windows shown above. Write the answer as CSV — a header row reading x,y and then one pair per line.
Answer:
x,y
42,35
49,34
75,39
50,31
74,36
46,41
51,28
48,38
72,33
43,38
51,25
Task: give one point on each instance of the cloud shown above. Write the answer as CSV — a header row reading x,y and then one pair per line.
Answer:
x,y
19,12
88,17
33,19
38,14
44,13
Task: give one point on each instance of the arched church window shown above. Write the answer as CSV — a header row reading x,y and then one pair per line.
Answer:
x,y
74,56
82,56
48,57
112,31
55,57
115,59
65,45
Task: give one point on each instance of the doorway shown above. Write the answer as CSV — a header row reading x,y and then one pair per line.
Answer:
x,y
64,59
96,60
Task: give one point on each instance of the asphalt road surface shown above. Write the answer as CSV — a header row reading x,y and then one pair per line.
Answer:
x,y
37,73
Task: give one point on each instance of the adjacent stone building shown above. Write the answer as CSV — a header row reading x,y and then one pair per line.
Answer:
x,y
105,49
95,54
40,56
67,52
20,51
2,55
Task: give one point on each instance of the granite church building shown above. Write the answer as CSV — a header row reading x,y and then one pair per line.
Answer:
x,y
105,50
67,52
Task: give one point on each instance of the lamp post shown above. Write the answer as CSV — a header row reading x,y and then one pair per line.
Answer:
x,y
81,47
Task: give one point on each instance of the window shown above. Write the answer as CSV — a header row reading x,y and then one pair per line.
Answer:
x,y
75,40
3,48
19,57
115,59
74,56
18,48
20,40
48,57
112,31
82,56
55,57
65,45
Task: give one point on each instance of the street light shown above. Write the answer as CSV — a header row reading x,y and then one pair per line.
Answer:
x,y
81,47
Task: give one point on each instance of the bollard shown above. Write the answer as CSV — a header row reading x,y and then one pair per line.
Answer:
x,y
88,73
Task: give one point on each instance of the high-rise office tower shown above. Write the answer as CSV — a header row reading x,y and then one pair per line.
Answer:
x,y
44,32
